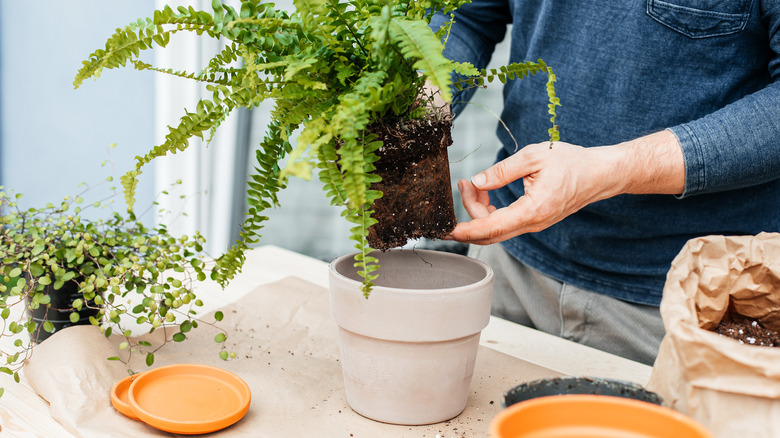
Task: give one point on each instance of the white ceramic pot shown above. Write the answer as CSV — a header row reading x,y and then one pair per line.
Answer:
x,y
408,351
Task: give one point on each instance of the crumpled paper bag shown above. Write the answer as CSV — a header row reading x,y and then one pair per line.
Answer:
x,y
732,389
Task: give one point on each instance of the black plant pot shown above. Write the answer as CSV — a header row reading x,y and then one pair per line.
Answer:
x,y
579,385
58,311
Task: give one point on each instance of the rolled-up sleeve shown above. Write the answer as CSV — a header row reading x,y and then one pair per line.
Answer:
x,y
738,145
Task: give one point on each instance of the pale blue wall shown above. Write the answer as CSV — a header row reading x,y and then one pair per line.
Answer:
x,y
53,137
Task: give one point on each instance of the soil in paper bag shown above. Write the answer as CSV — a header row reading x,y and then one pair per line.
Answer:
x,y
748,331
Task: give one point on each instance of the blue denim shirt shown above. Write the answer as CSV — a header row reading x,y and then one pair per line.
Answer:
x,y
707,70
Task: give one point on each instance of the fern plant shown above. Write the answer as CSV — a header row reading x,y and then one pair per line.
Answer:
x,y
332,68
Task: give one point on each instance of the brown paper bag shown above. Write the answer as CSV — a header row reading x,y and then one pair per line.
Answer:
x,y
731,388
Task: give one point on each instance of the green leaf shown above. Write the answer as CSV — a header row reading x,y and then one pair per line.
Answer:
x,y
48,326
179,337
185,327
220,338
223,355
417,42
36,270
149,359
218,315
74,317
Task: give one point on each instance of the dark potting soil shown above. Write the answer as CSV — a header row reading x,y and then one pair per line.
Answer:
x,y
417,192
748,331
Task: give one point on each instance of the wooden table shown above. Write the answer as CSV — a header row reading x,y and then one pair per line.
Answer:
x,y
24,414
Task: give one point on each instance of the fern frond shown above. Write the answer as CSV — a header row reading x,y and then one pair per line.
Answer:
x,y
347,22
418,43
208,116
177,139
334,185
140,65
425,9
364,261
261,195
348,123
553,102
275,34
310,140
127,43
330,175
518,70
312,12
230,54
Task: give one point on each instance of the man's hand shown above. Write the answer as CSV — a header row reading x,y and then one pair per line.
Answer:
x,y
561,180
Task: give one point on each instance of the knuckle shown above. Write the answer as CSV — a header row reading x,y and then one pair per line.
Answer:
x,y
501,171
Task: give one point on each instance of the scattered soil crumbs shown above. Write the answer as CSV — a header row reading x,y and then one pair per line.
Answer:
x,y
414,167
748,331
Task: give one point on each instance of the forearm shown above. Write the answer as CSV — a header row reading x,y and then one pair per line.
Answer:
x,y
652,164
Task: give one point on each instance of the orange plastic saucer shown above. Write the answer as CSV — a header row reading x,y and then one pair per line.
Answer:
x,y
592,416
188,398
120,398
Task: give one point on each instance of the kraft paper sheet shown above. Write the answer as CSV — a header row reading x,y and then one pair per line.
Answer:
x,y
287,353
731,388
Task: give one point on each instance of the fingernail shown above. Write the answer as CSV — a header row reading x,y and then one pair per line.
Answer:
x,y
460,185
448,237
479,179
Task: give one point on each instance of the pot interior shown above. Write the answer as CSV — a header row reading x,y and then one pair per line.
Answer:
x,y
419,269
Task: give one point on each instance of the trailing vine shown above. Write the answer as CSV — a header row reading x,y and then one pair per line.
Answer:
x,y
332,68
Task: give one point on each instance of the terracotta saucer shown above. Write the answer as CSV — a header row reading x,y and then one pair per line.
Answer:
x,y
120,398
183,399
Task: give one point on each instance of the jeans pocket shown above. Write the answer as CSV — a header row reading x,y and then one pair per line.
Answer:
x,y
701,18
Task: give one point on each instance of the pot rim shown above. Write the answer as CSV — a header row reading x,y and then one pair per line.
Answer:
x,y
545,408
581,385
487,278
